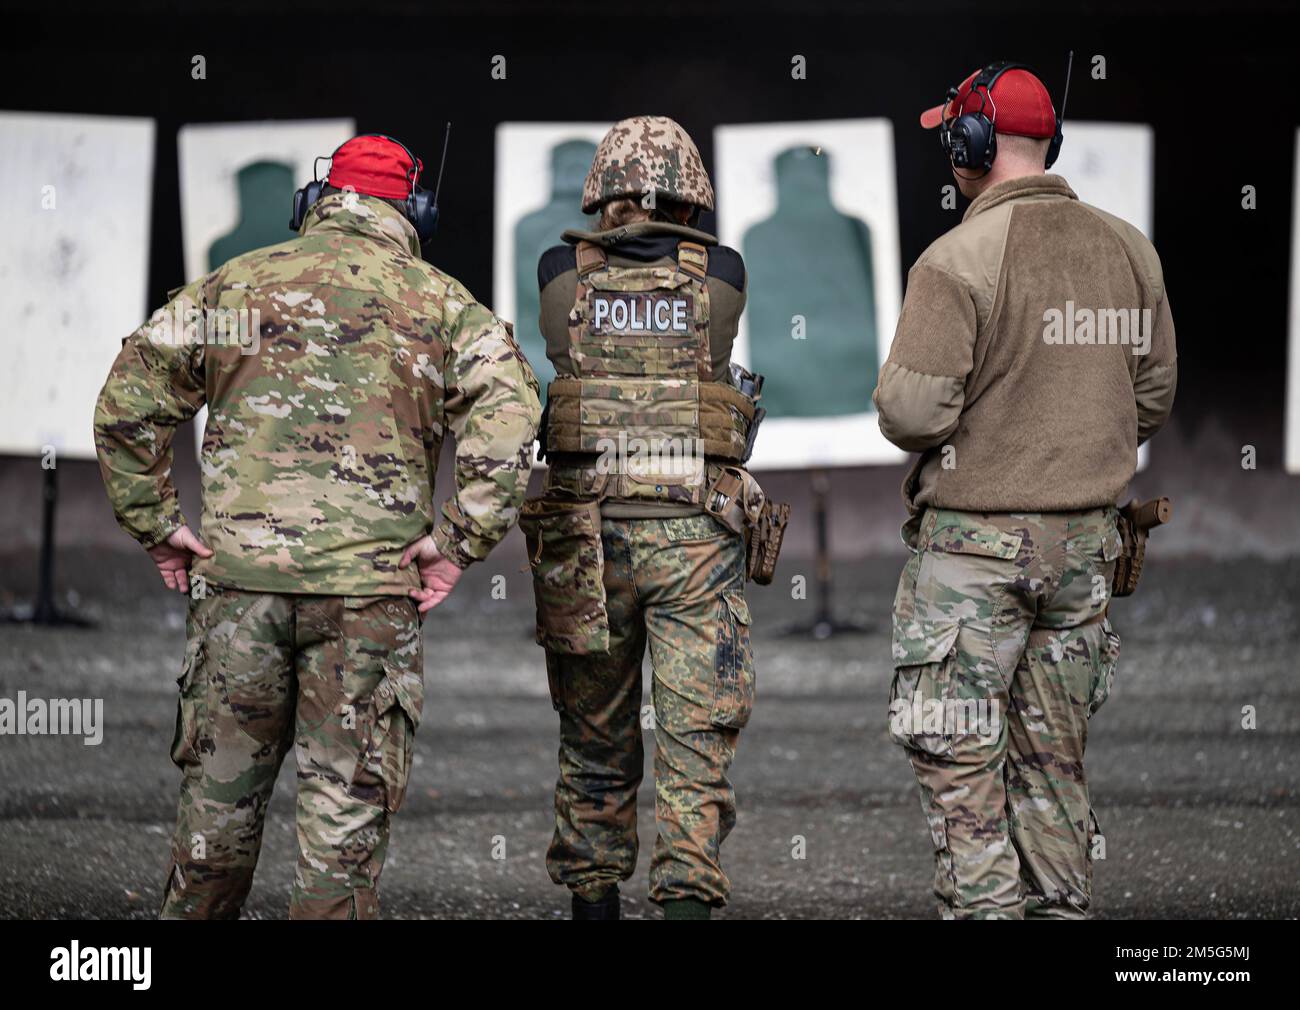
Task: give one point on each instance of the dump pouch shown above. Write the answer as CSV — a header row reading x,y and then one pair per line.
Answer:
x,y
568,562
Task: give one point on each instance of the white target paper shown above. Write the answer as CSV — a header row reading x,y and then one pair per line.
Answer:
x,y
1111,166
74,261
211,155
523,184
862,185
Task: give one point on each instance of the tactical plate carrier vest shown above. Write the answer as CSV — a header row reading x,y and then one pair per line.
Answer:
x,y
640,418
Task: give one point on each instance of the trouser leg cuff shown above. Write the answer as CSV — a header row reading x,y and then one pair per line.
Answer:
x,y
686,908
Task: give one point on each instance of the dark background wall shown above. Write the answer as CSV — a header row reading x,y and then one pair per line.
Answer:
x,y
1214,80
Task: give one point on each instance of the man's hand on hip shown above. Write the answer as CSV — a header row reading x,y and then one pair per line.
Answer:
x,y
438,574
174,555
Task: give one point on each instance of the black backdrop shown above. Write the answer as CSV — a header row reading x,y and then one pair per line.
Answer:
x,y
1214,80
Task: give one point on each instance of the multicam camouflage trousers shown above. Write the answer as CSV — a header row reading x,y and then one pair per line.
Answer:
x,y
1002,652
679,583
338,678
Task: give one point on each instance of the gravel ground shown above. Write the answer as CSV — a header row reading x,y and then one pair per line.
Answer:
x,y
1200,815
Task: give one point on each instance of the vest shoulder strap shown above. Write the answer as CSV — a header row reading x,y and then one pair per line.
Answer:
x,y
693,258
591,257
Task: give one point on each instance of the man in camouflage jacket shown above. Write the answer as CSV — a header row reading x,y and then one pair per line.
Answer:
x,y
332,366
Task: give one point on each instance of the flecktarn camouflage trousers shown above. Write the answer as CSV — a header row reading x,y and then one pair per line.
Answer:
x,y
677,583
337,678
1002,652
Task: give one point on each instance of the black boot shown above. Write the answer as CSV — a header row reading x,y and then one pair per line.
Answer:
x,y
604,907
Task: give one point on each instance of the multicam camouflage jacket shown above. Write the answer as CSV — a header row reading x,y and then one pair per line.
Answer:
x,y
332,366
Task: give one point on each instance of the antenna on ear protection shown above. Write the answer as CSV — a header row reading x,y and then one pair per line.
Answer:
x,y
437,187
1054,148
423,205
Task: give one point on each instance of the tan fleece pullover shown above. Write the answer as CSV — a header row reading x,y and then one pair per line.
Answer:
x,y
1034,352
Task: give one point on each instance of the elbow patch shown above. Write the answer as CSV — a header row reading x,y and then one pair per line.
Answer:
x,y
1155,398
917,410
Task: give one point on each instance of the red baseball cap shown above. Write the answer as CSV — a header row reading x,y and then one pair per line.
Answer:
x,y
1018,100
375,166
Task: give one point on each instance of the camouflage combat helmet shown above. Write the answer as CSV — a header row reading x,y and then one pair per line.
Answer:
x,y
647,153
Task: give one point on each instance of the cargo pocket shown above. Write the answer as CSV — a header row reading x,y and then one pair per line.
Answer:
x,y
385,768
947,532
923,688
568,564
191,708
694,529
733,699
1103,676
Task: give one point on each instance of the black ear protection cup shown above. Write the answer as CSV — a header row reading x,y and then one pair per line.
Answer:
x,y
302,201
421,205
1054,148
422,211
971,139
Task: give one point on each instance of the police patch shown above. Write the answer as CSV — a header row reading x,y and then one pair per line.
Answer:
x,y
640,312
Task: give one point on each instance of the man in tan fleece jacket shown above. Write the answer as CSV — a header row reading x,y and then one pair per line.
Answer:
x,y
1034,353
